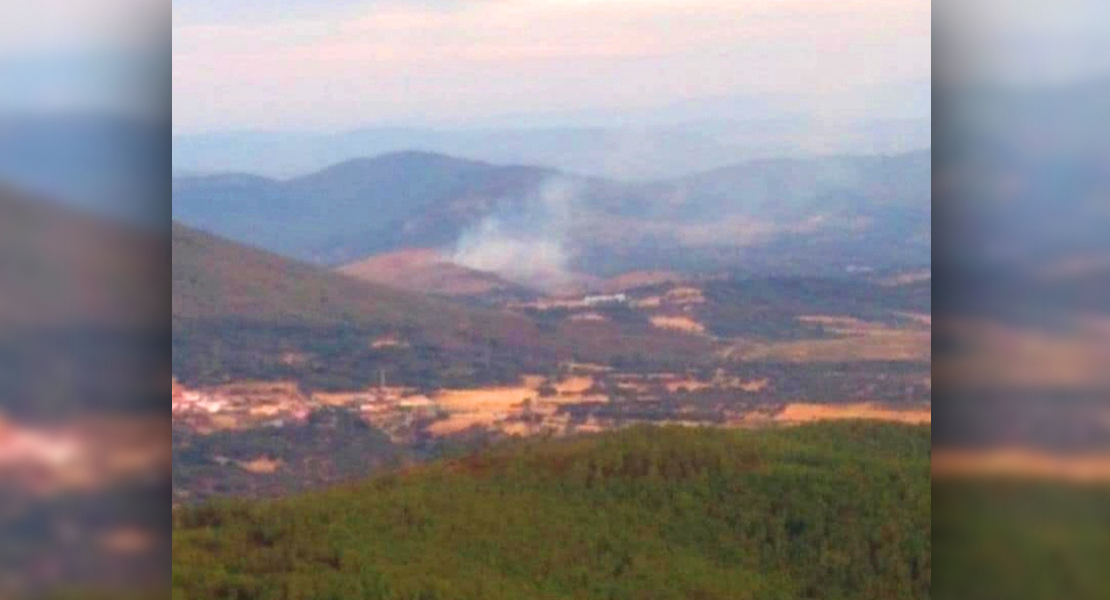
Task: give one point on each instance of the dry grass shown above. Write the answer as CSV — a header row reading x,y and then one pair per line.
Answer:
x,y
755,385
689,385
574,385
684,295
685,324
339,398
858,341
1021,463
261,465
807,413
1001,355
649,302
491,407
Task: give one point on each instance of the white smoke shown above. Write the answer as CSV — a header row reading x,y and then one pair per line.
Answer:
x,y
531,244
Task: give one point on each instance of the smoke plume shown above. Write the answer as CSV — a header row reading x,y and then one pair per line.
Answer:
x,y
528,242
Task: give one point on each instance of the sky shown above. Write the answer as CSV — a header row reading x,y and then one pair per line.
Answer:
x,y
1022,43
298,64
67,56
289,64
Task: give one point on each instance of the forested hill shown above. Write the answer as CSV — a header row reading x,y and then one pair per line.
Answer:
x,y
822,511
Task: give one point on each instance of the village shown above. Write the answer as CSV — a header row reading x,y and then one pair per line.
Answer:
x,y
584,398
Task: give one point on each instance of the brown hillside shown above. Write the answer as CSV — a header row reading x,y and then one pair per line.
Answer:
x,y
62,267
214,278
429,271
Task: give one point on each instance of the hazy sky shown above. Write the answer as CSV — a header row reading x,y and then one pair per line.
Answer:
x,y
288,64
81,55
1022,42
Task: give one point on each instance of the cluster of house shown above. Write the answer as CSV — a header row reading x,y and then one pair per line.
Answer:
x,y
22,446
239,405
256,404
603,300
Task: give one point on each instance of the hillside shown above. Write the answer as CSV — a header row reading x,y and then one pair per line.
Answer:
x,y
109,164
764,215
82,419
244,313
65,267
214,278
355,208
824,511
83,296
431,272
241,313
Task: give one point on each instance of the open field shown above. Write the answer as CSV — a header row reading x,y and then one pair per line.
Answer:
x,y
799,413
679,323
506,407
1023,464
995,354
857,341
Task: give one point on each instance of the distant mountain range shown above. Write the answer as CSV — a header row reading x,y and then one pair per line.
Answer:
x,y
634,144
1023,174
763,214
630,153
113,165
353,209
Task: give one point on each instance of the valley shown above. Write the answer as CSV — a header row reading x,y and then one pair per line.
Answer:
x,y
294,376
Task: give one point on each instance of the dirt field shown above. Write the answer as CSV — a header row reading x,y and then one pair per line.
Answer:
x,y
1021,463
261,464
574,385
491,407
684,295
678,323
860,340
808,413
997,354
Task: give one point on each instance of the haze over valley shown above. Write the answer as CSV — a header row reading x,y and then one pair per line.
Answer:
x,y
608,299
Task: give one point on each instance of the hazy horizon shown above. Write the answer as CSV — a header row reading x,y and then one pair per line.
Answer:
x,y
292,66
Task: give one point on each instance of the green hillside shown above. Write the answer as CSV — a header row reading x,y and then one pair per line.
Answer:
x,y
824,511
1021,540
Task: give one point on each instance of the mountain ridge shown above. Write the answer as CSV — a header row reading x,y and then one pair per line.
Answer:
x,y
363,207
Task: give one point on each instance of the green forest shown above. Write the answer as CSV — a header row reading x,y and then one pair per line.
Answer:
x,y
821,511
1021,540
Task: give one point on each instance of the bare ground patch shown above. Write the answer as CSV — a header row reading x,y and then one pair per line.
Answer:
x,y
678,323
1021,463
798,413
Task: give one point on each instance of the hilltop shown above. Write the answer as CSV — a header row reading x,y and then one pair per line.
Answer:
x,y
769,216
214,278
821,511
355,208
428,271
